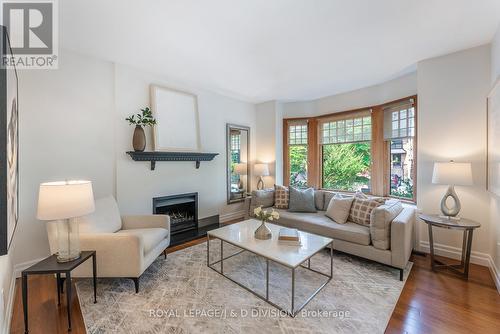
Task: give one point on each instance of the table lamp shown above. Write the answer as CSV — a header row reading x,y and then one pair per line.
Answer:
x,y
240,169
63,202
261,170
452,174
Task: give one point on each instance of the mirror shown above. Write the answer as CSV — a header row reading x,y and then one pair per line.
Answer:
x,y
238,158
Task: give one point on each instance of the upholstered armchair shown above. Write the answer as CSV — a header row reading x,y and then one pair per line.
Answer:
x,y
125,245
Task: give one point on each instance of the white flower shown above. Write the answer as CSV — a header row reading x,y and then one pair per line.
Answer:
x,y
275,215
257,210
270,218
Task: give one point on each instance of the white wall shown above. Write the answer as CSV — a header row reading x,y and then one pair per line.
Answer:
x,y
137,184
494,200
452,92
269,140
391,90
66,132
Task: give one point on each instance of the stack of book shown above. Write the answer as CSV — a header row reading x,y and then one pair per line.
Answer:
x,y
289,236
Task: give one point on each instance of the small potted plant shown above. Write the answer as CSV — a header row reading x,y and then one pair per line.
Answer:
x,y
263,232
139,120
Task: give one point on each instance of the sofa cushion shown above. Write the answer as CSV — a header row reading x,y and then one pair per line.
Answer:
x,y
319,199
264,198
105,219
280,197
339,208
328,197
380,226
318,223
361,210
301,200
151,237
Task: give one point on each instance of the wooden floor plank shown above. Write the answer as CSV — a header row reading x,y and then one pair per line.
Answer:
x,y
429,303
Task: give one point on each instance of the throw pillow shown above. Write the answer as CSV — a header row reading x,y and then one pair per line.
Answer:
x,y
264,198
361,210
328,197
301,200
280,197
339,208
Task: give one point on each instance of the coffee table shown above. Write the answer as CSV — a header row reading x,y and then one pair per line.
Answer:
x,y
241,235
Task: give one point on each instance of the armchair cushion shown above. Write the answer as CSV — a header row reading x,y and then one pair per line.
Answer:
x,y
150,237
145,221
105,219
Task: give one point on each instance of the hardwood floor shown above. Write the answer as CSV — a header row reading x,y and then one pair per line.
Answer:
x,y
430,303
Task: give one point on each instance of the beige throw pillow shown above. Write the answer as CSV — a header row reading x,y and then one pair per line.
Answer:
x,y
338,209
280,197
361,210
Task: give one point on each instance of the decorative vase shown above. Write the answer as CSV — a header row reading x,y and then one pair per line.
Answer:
x,y
263,232
139,139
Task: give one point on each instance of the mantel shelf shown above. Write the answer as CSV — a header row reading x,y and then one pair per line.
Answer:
x,y
153,157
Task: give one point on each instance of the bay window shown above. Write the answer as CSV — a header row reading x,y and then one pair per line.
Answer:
x,y
372,150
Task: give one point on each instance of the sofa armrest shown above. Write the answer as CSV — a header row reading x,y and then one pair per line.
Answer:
x,y
118,255
145,221
402,237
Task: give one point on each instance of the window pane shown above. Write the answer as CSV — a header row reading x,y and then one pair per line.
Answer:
x,y
298,165
402,156
347,166
297,134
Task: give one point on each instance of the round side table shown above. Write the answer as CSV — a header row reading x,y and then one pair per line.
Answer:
x,y
465,225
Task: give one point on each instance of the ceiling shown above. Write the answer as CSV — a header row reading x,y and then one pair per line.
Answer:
x,y
259,50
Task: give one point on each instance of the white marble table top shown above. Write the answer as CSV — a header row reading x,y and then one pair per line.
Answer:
x,y
242,235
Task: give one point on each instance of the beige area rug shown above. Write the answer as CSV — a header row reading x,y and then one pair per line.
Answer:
x,y
182,295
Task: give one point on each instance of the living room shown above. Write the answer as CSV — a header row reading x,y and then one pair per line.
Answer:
x,y
342,118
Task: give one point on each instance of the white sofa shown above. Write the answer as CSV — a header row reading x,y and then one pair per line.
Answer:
x,y
125,245
388,239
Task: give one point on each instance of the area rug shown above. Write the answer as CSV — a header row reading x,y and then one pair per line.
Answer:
x,y
182,295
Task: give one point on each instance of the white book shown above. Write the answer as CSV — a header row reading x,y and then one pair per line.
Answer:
x,y
290,242
289,234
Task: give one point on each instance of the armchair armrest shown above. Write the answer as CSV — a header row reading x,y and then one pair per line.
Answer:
x,y
145,221
118,255
402,237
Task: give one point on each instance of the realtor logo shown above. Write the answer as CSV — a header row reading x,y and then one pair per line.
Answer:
x,y
32,30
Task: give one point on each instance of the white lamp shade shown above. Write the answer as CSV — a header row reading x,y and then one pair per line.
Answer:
x,y
452,173
66,199
240,169
261,170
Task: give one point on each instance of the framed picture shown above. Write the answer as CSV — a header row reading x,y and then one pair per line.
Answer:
x,y
177,122
9,147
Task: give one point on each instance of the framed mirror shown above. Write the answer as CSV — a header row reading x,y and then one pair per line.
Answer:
x,y
238,158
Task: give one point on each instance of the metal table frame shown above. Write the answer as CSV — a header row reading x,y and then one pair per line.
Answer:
x,y
293,311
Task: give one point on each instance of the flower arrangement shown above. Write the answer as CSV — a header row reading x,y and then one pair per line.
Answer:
x,y
266,216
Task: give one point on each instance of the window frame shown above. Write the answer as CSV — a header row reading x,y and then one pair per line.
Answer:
x,y
380,167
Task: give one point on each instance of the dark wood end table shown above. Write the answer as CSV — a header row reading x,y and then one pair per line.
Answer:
x,y
51,266
465,225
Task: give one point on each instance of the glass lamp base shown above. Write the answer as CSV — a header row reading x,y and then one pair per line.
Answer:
x,y
68,257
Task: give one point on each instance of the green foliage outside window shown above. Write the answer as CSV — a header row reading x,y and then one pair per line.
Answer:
x,y
347,166
298,165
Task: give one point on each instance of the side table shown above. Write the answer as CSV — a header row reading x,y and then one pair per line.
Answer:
x,y
51,266
465,225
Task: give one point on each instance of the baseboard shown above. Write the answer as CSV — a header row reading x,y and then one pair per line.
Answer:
x,y
495,273
455,253
232,216
482,259
10,304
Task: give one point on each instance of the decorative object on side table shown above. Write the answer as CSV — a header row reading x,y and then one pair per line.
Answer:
x,y
143,119
261,170
465,225
263,232
452,174
51,265
241,170
64,202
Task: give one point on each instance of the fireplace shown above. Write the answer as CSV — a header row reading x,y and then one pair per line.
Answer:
x,y
182,209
